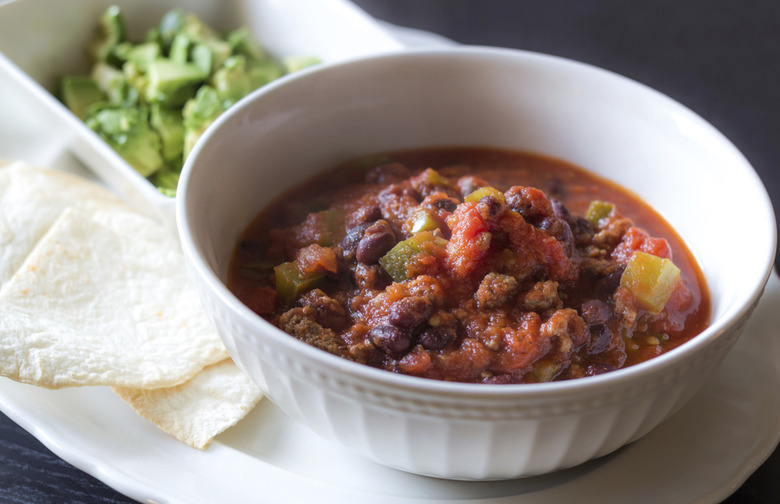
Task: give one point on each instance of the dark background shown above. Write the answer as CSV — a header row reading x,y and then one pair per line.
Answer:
x,y
720,58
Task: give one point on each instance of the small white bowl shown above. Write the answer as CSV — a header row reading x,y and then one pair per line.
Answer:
x,y
501,98
43,40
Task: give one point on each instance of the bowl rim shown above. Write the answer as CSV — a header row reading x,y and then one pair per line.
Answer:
x,y
740,309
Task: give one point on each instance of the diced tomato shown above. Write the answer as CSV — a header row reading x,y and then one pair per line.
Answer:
x,y
316,259
638,239
469,243
657,247
678,307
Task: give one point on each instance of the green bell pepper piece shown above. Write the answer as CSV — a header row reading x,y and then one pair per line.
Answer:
x,y
651,279
291,282
485,191
422,220
395,261
598,210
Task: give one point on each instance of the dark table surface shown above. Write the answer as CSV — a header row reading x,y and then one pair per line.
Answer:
x,y
721,58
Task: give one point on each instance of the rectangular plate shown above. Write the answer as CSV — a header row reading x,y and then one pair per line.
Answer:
x,y
42,40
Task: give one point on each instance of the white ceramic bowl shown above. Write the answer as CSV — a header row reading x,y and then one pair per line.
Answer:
x,y
42,40
487,97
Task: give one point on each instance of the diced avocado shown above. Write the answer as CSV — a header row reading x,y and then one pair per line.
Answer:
x,y
143,54
180,48
172,83
183,33
79,94
170,25
153,35
152,99
166,181
242,42
262,72
134,86
109,80
121,52
111,31
203,57
231,81
127,131
198,114
220,51
169,125
294,63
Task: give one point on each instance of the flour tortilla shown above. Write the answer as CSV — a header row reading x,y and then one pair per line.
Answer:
x,y
104,299
92,293
196,411
31,199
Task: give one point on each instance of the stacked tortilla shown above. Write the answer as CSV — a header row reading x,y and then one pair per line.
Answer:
x,y
93,293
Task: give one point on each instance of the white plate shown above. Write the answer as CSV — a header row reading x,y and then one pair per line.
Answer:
x,y
701,454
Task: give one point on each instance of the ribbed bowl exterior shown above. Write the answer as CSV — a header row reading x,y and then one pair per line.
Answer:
x,y
465,436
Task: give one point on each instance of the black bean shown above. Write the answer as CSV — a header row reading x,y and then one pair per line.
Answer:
x,y
600,339
560,230
552,225
434,338
410,312
567,238
392,340
446,204
350,242
376,241
582,229
595,312
529,202
489,207
559,209
607,285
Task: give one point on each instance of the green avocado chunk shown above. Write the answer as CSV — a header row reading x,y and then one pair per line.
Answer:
x,y
172,83
79,94
128,132
151,99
